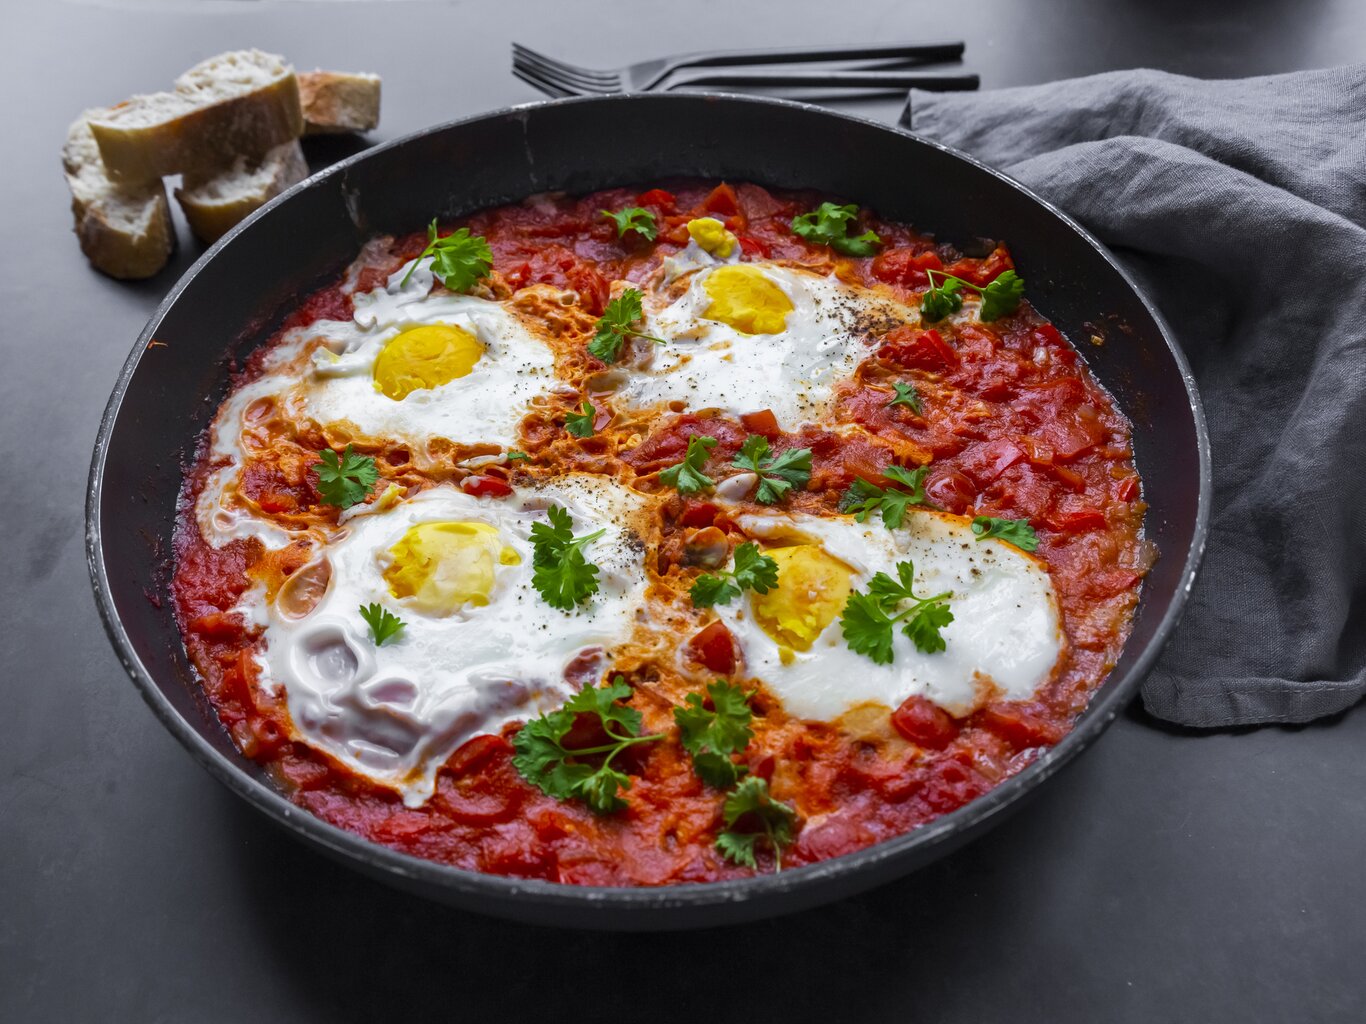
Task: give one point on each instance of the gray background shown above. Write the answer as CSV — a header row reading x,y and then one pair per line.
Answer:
x,y
1165,876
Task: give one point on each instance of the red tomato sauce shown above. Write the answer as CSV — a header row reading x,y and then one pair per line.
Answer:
x,y
1012,424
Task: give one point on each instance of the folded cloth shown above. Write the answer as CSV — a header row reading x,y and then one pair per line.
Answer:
x,y
1240,207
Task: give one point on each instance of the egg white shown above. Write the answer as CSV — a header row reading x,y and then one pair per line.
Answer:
x,y
1003,642
706,364
395,712
335,384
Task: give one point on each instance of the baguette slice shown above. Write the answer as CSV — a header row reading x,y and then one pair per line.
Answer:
x,y
338,101
236,104
124,230
214,203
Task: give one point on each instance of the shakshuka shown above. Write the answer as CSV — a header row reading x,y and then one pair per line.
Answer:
x,y
660,536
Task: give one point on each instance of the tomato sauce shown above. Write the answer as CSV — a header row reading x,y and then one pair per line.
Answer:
x,y
1011,423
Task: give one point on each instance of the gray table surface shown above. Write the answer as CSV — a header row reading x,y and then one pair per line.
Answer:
x,y
1166,876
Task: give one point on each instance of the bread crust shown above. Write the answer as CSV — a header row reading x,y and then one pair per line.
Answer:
x,y
200,127
125,231
213,204
338,101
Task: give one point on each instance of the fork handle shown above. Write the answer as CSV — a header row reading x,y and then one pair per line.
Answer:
x,y
837,80
798,54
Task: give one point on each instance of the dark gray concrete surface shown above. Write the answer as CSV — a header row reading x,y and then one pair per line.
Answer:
x,y
1164,877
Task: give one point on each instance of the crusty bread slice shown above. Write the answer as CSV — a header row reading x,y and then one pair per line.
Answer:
x,y
236,104
214,203
124,230
338,101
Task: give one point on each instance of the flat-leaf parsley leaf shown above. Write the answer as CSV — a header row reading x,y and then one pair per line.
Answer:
x,y
999,298
687,476
777,474
753,570
458,260
561,574
906,395
762,817
829,224
345,481
712,735
576,773
1014,531
636,219
580,424
384,625
615,326
864,498
869,619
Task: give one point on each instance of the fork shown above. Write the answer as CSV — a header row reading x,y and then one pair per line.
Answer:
x,y
892,81
541,71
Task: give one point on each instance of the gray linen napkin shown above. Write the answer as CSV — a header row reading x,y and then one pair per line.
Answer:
x,y
1240,207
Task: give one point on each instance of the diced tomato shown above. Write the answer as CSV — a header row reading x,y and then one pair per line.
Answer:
x,y
722,200
218,625
982,272
910,347
761,422
951,490
952,782
698,514
1019,725
751,246
486,486
714,648
924,723
1127,489
1077,521
657,197
985,462
906,266
275,501
473,754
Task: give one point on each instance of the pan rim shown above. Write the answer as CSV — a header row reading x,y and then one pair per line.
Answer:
x,y
360,852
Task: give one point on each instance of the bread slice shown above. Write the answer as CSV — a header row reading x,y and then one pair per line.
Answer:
x,y
236,104
338,101
214,203
124,230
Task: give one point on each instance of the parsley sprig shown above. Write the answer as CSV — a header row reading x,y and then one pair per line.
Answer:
x,y
906,395
999,298
829,224
1013,531
384,625
687,476
777,474
458,260
562,574
575,773
580,423
750,805
864,498
870,618
753,570
615,326
712,735
634,218
345,481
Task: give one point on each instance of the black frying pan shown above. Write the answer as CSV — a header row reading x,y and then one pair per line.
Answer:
x,y
234,296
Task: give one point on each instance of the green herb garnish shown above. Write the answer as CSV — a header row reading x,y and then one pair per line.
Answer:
x,y
575,773
633,218
999,298
906,395
615,327
384,625
1014,531
870,618
561,574
864,498
345,481
712,736
777,475
687,476
580,424
829,224
753,570
458,260
765,818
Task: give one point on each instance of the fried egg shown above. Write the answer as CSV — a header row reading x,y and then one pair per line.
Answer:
x,y
479,646
1003,642
750,336
410,367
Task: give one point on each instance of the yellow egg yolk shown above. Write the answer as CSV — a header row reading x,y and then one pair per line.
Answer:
x,y
425,357
812,589
442,567
711,235
743,298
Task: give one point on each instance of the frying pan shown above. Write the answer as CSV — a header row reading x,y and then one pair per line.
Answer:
x,y
236,294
